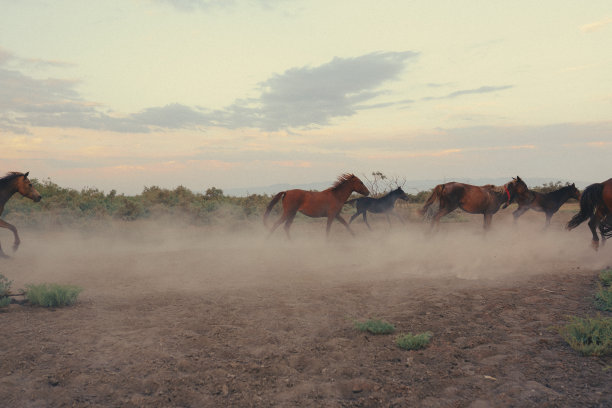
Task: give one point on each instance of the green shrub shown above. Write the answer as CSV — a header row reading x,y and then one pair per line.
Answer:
x,y
606,277
5,288
375,326
590,336
603,298
52,295
414,341
5,285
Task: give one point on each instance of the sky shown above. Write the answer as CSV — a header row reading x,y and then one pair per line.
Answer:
x,y
236,93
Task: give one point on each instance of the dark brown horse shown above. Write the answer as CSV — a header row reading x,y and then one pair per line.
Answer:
x,y
484,200
596,206
382,205
327,203
10,184
548,203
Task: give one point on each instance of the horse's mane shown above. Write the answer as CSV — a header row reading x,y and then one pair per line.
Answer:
x,y
10,176
341,180
494,188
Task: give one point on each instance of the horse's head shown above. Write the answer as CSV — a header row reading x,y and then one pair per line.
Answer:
x,y
400,194
574,192
515,188
359,187
26,189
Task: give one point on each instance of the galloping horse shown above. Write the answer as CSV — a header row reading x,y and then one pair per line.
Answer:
x,y
484,200
548,203
10,184
327,203
377,205
596,206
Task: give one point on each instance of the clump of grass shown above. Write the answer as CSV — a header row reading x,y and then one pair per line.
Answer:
x,y
375,326
5,288
590,337
52,295
603,298
606,277
414,341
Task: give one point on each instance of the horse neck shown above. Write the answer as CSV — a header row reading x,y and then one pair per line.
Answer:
x,y
6,193
561,195
343,191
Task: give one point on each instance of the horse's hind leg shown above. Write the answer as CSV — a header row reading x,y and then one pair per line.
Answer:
x,y
593,224
342,221
278,223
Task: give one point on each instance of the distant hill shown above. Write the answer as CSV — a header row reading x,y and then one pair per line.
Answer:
x,y
411,186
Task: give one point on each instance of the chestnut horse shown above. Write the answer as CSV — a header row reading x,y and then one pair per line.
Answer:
x,y
327,203
548,203
596,206
10,184
484,200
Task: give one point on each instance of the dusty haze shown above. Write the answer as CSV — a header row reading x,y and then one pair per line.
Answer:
x,y
174,314
157,255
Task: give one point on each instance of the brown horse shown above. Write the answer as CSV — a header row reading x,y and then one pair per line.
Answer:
x,y
596,206
10,184
548,203
327,203
484,200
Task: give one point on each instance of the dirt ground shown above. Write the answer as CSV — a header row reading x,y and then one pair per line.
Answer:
x,y
183,316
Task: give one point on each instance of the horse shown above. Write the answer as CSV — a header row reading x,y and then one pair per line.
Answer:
x,y
327,203
380,205
548,203
484,200
596,206
10,184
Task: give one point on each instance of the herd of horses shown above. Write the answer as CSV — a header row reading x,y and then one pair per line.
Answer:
x,y
595,203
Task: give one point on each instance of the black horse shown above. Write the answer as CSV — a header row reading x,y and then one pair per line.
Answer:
x,y
548,203
596,206
382,205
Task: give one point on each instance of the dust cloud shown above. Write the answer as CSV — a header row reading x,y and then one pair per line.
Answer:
x,y
123,259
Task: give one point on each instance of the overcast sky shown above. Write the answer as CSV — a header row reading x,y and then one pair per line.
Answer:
x,y
237,93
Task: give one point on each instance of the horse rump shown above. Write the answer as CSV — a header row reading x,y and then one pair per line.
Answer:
x,y
275,200
591,198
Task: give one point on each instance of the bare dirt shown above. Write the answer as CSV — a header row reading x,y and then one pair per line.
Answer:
x,y
188,316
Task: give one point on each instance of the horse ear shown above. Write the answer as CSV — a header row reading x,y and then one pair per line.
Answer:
x,y
26,175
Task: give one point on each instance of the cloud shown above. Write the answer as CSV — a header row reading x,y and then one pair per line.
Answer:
x,y
298,98
205,5
598,25
306,96
481,90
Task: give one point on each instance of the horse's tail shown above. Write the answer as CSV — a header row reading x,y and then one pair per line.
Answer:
x,y
271,205
352,202
590,199
435,196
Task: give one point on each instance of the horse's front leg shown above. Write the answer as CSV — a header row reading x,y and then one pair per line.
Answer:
x,y
342,221
518,212
487,221
4,224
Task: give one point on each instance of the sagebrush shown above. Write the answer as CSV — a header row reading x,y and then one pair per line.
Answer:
x,y
375,326
52,295
591,336
414,341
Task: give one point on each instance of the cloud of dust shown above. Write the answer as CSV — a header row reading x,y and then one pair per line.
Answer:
x,y
163,255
